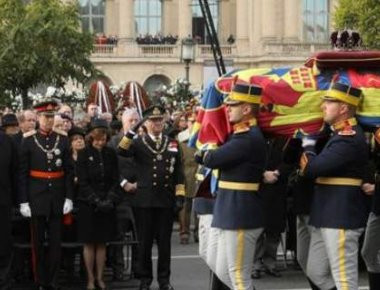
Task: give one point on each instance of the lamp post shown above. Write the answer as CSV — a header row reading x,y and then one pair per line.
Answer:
x,y
187,54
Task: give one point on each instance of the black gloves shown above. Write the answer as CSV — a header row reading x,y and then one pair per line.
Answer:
x,y
198,156
179,203
132,132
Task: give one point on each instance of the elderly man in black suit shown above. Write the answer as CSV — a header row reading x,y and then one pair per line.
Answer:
x,y
8,184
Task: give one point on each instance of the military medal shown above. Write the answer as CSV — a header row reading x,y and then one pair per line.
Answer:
x,y
58,162
157,153
49,153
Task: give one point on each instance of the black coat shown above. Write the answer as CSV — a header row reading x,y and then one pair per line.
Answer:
x,y
8,185
97,173
8,171
157,178
98,178
45,196
274,195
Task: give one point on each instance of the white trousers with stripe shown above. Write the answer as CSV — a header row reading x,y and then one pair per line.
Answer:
x,y
333,258
204,229
230,254
371,246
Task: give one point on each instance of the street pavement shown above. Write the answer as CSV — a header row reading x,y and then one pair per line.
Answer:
x,y
189,272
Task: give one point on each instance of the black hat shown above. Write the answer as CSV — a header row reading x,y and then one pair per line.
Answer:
x,y
244,93
76,131
154,112
344,93
47,106
116,125
9,120
98,123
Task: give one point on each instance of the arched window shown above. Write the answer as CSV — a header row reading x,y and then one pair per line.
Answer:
x,y
148,15
92,15
315,20
199,28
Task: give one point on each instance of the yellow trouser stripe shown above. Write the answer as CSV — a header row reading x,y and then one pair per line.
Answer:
x,y
238,185
342,261
239,259
199,177
339,181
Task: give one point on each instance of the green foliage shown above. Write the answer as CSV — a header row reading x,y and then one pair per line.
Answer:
x,y
363,16
41,43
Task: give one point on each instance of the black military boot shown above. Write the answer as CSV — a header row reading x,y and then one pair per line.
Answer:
x,y
216,284
312,285
374,281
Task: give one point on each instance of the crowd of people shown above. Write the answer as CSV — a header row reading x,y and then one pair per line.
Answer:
x,y
156,39
104,174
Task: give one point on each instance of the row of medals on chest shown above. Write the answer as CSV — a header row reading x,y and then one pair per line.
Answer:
x,y
158,153
52,152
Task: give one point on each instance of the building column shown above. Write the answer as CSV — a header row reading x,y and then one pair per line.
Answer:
x,y
292,20
269,19
167,17
224,21
185,25
242,27
126,20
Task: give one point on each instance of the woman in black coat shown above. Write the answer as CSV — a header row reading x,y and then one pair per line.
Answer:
x,y
98,176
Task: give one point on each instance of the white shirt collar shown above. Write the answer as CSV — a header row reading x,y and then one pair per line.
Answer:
x,y
153,137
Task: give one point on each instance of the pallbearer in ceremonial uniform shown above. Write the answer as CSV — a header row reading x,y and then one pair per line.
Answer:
x,y
371,245
238,217
45,191
160,191
339,207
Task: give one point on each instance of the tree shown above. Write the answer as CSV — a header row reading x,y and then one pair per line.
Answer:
x,y
361,15
41,43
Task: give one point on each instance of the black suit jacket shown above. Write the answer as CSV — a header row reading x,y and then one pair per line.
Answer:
x,y
8,170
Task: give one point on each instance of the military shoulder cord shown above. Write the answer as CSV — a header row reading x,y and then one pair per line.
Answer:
x,y
49,153
156,152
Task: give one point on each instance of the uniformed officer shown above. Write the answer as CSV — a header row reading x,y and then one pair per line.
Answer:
x,y
160,188
339,207
45,191
238,217
371,245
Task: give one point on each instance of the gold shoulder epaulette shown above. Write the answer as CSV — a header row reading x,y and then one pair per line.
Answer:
x,y
61,132
125,143
28,134
347,132
241,130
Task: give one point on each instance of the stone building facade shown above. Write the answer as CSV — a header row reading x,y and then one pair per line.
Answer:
x,y
262,33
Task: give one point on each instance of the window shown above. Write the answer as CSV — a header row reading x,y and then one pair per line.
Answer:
x,y
199,24
148,14
315,20
92,15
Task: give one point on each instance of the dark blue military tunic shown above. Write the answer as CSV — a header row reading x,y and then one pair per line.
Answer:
x,y
339,170
46,176
241,162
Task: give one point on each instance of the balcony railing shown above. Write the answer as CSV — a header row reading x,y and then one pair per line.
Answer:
x,y
104,49
293,49
133,50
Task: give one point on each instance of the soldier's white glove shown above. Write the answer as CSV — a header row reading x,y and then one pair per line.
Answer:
x,y
68,206
25,210
306,142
